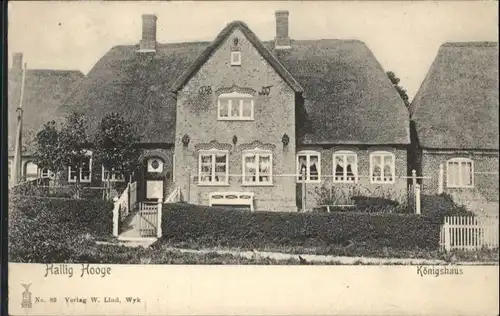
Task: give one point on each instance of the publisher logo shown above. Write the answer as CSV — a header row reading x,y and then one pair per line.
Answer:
x,y
26,302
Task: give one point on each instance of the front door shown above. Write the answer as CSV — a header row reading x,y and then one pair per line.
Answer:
x,y
153,179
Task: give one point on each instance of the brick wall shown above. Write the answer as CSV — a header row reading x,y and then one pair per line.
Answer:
x,y
485,185
274,115
344,191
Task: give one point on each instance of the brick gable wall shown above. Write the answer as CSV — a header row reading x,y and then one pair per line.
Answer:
x,y
274,116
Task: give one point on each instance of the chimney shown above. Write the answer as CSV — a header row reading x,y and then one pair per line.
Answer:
x,y
17,61
148,41
282,40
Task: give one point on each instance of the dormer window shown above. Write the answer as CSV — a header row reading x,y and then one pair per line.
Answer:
x,y
236,58
235,107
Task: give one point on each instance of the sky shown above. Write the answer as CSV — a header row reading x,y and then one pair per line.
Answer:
x,y
404,36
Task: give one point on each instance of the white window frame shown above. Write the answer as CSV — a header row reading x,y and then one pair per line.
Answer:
x,y
257,152
308,154
32,177
213,153
460,183
382,155
45,173
236,58
230,98
113,176
73,180
344,154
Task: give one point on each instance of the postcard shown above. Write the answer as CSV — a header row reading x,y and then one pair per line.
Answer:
x,y
253,158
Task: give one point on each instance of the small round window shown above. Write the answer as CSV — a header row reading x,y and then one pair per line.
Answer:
x,y
155,165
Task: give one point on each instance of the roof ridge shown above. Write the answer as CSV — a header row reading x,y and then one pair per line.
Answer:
x,y
55,70
471,44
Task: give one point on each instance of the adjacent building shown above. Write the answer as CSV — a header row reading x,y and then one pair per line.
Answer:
x,y
455,125
44,91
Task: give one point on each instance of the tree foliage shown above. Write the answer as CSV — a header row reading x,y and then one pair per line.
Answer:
x,y
115,144
68,147
73,141
402,91
47,148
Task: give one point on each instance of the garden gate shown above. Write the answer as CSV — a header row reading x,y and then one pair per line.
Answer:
x,y
150,219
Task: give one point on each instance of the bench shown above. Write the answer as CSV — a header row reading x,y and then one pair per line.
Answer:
x,y
231,199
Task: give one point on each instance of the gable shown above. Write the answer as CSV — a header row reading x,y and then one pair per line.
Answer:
x,y
222,38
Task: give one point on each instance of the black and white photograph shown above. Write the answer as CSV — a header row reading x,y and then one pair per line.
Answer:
x,y
252,133
251,141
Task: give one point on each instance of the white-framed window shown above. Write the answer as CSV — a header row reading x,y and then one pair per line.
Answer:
x,y
45,173
155,165
31,171
112,176
382,167
213,167
257,167
85,171
235,106
345,167
310,161
236,58
460,173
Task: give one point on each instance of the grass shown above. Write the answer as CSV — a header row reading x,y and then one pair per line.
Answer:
x,y
485,255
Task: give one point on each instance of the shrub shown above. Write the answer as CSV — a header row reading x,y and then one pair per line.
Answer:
x,y
211,227
42,229
439,206
379,199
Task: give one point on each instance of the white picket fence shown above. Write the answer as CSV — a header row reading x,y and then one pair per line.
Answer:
x,y
123,205
133,194
469,233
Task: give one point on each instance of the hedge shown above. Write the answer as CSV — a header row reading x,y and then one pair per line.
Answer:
x,y
212,227
48,229
439,206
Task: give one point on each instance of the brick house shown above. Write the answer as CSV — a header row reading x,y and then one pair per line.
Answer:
x,y
44,91
455,125
245,116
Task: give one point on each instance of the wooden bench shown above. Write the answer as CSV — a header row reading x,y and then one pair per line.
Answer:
x,y
231,199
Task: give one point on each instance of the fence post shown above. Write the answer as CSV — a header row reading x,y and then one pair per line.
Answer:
x,y
447,241
116,218
189,187
417,198
414,178
158,225
303,189
440,179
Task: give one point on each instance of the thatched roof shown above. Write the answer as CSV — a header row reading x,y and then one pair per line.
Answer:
x,y
348,97
43,92
457,104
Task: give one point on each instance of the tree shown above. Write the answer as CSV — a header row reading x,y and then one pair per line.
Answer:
x,y
46,148
402,91
115,145
74,145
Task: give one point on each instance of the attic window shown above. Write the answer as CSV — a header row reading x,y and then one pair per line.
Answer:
x,y
236,58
